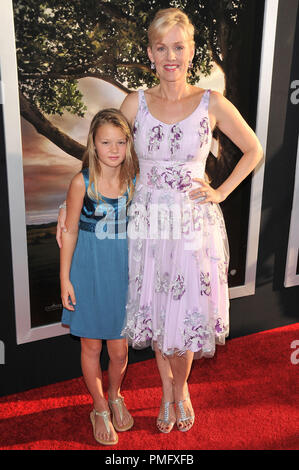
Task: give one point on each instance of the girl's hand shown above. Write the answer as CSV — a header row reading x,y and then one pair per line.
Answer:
x,y
68,295
205,193
60,226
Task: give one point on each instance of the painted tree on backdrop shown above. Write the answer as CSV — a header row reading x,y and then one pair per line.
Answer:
x,y
60,42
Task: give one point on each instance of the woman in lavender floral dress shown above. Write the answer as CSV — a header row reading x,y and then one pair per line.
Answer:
x,y
178,252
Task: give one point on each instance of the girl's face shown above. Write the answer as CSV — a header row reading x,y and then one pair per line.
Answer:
x,y
111,144
171,54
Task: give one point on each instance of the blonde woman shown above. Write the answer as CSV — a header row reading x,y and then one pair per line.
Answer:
x,y
94,265
178,296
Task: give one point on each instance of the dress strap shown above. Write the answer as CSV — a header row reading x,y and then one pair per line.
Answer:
x,y
142,105
206,98
85,173
141,96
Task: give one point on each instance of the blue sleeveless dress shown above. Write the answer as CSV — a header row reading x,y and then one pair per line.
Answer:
x,y
99,270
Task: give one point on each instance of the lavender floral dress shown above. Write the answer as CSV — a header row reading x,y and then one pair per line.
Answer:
x,y
178,249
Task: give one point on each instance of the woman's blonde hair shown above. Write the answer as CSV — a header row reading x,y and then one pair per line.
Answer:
x,y
129,167
167,18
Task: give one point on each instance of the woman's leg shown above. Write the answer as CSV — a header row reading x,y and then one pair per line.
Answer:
x,y
180,367
167,389
118,355
90,363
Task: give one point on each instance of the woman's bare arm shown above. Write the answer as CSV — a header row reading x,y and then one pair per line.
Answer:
x,y
129,107
232,124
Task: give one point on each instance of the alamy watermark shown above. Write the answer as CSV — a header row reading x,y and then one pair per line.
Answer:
x,y
153,222
295,354
295,94
2,353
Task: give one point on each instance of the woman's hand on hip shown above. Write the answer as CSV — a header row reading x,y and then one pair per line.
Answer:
x,y
205,193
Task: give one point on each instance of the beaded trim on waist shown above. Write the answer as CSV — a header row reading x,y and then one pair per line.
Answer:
x,y
87,226
168,175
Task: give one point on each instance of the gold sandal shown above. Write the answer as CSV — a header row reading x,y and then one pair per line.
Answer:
x,y
119,402
184,417
105,415
165,419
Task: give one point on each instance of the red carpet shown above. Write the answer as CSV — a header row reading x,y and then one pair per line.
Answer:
x,y
244,398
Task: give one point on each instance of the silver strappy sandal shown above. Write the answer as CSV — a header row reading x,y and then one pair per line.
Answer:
x,y
165,419
106,417
183,416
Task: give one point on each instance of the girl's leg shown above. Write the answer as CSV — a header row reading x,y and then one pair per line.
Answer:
x,y
180,367
167,389
118,355
90,363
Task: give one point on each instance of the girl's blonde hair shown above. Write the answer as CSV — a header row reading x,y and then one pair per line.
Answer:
x,y
129,167
167,18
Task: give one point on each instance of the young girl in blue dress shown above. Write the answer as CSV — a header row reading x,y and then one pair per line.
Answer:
x,y
94,264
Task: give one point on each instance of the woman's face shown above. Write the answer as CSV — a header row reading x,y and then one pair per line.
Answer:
x,y
171,54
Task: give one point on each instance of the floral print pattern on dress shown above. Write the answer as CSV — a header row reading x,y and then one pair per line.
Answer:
x,y
178,178
194,330
186,220
203,131
197,217
138,280
211,215
155,138
198,333
143,328
178,287
162,284
219,327
176,134
223,271
154,179
205,283
138,221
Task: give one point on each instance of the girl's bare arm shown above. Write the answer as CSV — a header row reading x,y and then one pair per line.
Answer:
x,y
69,238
